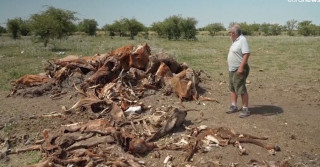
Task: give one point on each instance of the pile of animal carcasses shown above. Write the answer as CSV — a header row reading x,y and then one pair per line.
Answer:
x,y
111,86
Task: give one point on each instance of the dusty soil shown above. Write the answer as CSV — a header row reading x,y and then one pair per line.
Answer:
x,y
286,112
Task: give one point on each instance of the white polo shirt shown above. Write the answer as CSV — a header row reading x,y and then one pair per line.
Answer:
x,y
237,49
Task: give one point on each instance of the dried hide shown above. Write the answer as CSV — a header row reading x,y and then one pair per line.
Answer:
x,y
140,57
175,120
28,81
66,60
140,146
96,60
105,74
184,85
153,65
123,55
164,71
174,66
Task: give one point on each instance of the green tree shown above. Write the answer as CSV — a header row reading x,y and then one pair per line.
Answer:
x,y
175,27
265,28
317,30
13,26
189,29
172,27
214,28
306,28
254,27
2,30
110,29
133,26
88,26
25,27
275,29
53,23
159,28
290,26
246,29
118,26
125,25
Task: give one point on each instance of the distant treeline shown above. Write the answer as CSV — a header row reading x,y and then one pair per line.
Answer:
x,y
59,23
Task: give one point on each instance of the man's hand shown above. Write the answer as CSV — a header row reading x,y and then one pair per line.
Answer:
x,y
240,71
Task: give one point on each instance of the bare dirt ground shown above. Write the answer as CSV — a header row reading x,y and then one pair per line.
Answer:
x,y
286,112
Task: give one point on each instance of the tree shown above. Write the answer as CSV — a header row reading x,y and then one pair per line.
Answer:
x,y
133,26
2,30
188,27
290,26
13,26
108,27
246,29
25,27
214,28
275,29
125,25
306,28
88,26
53,23
159,27
116,27
254,27
265,28
175,27
172,28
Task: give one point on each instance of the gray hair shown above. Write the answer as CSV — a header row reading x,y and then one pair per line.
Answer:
x,y
236,29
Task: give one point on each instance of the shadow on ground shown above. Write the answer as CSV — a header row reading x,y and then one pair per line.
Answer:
x,y
266,110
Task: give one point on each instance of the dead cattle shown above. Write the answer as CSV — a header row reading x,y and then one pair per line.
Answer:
x,y
29,81
184,85
140,57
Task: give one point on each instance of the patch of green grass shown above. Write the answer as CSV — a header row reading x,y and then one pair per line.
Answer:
x,y
32,157
8,128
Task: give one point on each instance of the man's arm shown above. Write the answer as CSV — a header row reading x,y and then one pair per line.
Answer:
x,y
243,63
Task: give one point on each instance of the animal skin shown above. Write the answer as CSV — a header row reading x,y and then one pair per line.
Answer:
x,y
175,120
28,81
184,84
140,57
140,146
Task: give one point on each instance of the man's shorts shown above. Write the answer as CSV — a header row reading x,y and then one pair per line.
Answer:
x,y
237,83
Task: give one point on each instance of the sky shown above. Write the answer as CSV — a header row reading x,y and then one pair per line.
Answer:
x,y
150,11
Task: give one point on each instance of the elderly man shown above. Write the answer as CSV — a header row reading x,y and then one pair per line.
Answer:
x,y
238,70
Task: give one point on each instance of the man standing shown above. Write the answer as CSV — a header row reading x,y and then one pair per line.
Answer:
x,y
238,70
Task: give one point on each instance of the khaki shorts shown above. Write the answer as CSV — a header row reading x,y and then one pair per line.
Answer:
x,y
237,83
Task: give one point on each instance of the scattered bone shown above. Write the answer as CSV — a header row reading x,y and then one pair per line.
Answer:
x,y
30,148
54,114
91,103
225,136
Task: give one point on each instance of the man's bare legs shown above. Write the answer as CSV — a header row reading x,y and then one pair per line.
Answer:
x,y
244,98
234,98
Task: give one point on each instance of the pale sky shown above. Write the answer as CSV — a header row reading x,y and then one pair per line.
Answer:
x,y
150,11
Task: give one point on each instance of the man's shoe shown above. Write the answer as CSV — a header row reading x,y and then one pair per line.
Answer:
x,y
232,109
244,113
